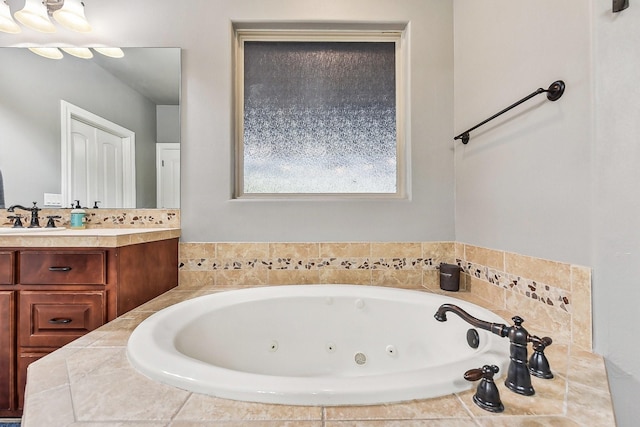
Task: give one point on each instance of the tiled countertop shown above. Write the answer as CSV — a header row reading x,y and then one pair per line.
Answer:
x,y
93,237
89,382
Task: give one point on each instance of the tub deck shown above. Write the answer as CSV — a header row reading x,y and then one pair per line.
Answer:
x,y
90,381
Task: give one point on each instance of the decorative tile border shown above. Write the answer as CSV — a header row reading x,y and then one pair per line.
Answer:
x,y
205,264
107,218
529,288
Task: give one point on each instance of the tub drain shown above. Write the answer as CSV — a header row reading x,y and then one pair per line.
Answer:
x,y
360,358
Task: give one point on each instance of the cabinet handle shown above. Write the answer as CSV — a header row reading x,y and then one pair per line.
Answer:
x,y
59,268
59,321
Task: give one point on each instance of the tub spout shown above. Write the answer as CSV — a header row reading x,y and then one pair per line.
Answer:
x,y
496,328
518,376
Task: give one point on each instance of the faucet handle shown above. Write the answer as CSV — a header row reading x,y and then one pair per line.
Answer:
x,y
538,363
17,220
51,222
487,396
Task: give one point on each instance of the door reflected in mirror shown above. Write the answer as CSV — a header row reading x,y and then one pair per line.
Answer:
x,y
140,92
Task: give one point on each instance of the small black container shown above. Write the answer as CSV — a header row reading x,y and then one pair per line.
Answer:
x,y
449,277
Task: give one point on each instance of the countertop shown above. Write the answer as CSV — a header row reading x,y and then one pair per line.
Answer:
x,y
88,237
89,382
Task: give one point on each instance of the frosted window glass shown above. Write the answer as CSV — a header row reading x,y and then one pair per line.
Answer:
x,y
319,117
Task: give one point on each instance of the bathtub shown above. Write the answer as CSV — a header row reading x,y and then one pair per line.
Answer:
x,y
314,345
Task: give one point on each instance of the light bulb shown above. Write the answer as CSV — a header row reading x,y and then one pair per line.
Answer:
x,y
35,16
47,52
112,52
7,24
80,52
71,16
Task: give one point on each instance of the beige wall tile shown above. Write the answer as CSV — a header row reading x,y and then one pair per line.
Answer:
x,y
196,250
293,277
196,279
581,320
406,279
541,319
439,251
396,250
487,257
459,250
493,294
294,250
431,279
242,250
345,250
552,273
354,277
237,278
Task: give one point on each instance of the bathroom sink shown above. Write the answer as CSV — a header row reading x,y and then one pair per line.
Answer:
x,y
7,230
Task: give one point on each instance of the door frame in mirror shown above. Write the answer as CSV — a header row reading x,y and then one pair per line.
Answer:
x,y
68,112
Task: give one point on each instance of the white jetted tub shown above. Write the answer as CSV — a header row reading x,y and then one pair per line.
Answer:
x,y
315,345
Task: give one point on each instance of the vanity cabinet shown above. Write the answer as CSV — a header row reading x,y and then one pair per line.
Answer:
x,y
50,296
7,352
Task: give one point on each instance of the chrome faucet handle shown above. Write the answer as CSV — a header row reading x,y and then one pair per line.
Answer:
x,y
538,363
487,396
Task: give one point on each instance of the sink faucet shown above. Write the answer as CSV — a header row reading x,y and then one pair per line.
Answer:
x,y
518,375
35,223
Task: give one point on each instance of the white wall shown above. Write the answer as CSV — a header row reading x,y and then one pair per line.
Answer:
x,y
616,202
30,92
203,30
522,182
557,180
168,123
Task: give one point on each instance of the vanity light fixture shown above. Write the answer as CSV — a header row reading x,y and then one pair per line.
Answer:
x,y
7,24
111,52
71,16
80,52
47,52
35,15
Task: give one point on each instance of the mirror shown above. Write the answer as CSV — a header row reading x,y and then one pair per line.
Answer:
x,y
140,92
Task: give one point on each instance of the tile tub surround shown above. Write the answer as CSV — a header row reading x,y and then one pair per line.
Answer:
x,y
104,218
554,298
90,382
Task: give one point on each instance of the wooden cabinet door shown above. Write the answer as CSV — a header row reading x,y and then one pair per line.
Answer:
x,y
53,319
7,351
6,267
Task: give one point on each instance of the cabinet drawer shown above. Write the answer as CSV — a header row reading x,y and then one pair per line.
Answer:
x,y
6,267
62,268
53,319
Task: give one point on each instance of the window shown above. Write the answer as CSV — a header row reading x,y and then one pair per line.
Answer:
x,y
318,113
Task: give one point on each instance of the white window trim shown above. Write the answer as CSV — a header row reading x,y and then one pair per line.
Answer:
x,y
398,36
